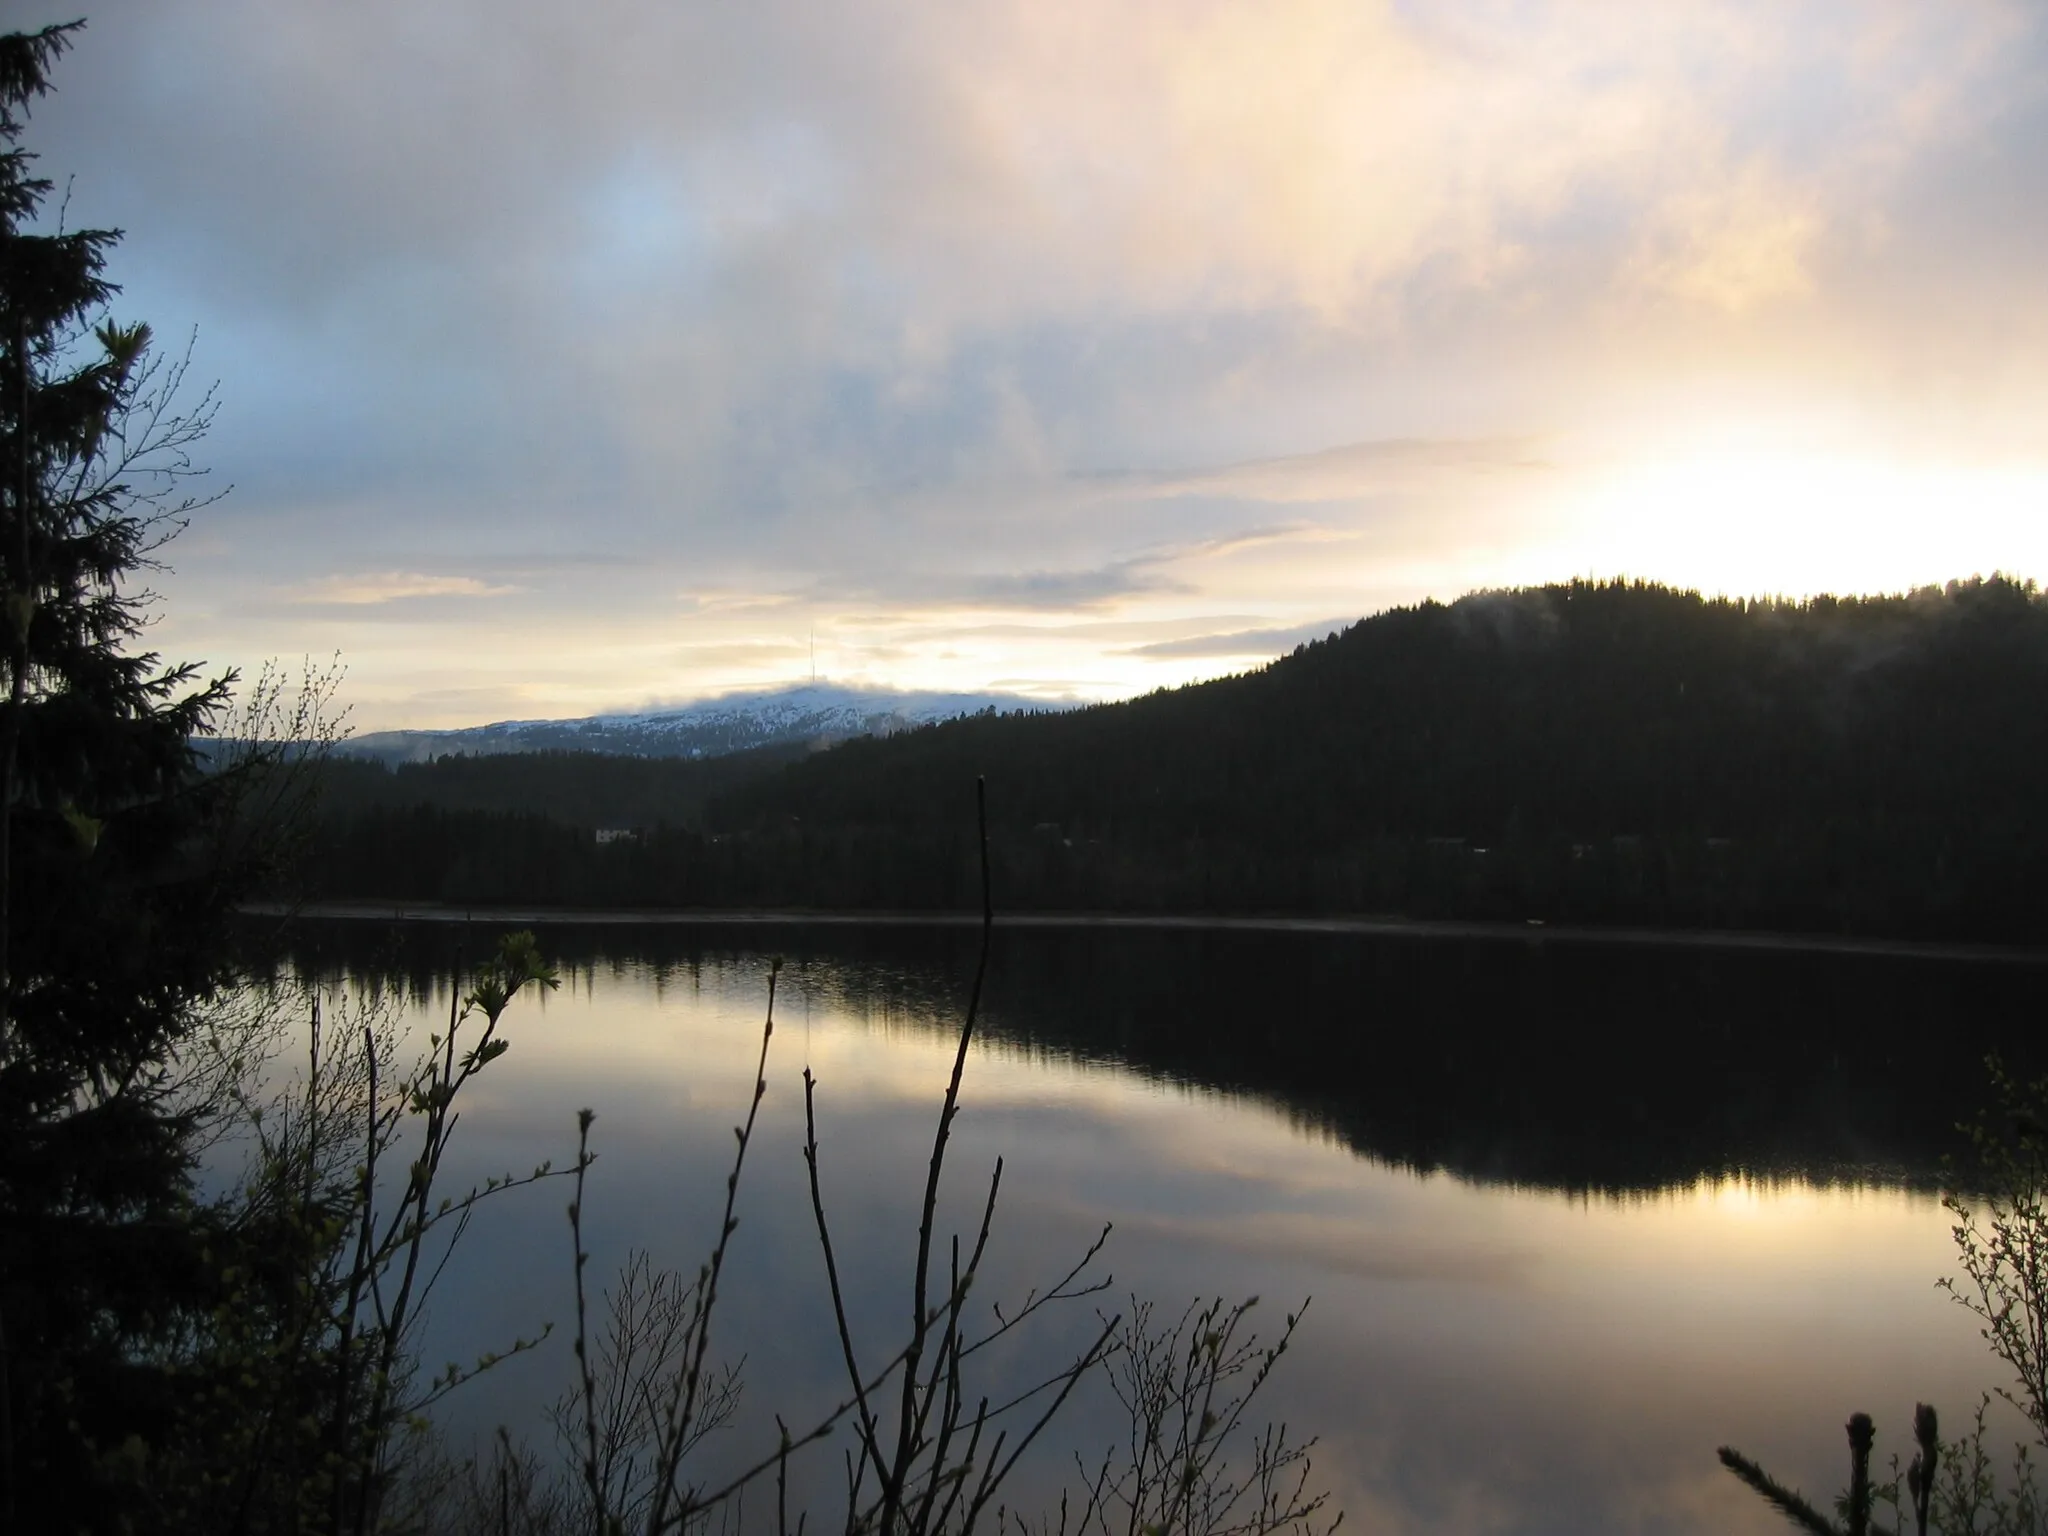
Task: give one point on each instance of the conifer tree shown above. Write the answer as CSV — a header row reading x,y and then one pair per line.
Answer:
x,y
112,910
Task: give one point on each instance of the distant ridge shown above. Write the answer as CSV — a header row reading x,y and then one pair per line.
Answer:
x,y
815,713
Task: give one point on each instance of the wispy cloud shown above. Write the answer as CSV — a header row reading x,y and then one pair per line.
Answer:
x,y
1350,471
1242,642
1052,591
391,587
720,600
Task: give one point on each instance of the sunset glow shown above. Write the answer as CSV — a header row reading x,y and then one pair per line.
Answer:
x,y
1799,526
1052,348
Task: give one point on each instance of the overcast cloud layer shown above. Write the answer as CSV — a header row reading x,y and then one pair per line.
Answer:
x,y
574,357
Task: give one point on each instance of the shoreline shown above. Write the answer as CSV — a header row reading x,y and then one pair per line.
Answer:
x,y
1753,940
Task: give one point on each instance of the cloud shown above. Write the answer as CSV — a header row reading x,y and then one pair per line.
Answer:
x,y
1051,591
723,601
391,587
739,653
1225,544
1351,470
803,213
1088,630
1243,642
1063,590
1159,569
1733,245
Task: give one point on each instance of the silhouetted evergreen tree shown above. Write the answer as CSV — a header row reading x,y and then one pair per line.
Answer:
x,y
111,904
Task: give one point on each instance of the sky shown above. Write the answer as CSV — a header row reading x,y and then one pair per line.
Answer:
x,y
589,357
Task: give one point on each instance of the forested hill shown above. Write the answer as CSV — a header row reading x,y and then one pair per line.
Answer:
x,y
578,789
1603,752
1595,710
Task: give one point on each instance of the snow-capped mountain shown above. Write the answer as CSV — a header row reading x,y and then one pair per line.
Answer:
x,y
816,713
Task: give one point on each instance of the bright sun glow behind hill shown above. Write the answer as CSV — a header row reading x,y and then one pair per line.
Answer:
x,y
1799,525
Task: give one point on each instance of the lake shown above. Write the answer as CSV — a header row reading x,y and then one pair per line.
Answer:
x,y
1570,1215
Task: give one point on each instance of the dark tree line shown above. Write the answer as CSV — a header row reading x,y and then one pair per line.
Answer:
x,y
1602,752
584,789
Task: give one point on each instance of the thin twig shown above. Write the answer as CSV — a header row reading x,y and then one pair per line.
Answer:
x,y
682,1406
920,1319
598,1512
870,1447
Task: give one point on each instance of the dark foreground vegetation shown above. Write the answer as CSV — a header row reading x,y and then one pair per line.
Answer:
x,y
1589,752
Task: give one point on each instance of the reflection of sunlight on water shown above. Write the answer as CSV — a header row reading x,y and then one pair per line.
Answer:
x,y
1788,1201
1736,1195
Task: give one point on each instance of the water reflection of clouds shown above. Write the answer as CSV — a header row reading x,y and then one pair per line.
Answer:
x,y
1477,1358
1354,1252
899,1054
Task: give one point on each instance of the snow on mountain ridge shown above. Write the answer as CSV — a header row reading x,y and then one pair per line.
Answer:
x,y
812,712
781,709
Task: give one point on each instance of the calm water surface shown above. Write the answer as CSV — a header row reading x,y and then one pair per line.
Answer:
x,y
1570,1217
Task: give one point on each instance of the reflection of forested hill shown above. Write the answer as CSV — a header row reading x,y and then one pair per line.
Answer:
x,y
1554,1065
1581,752
1573,1066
